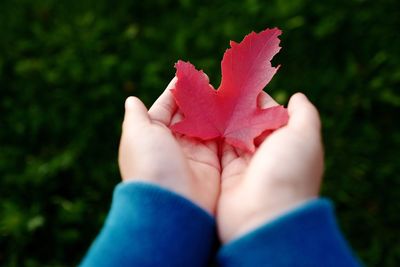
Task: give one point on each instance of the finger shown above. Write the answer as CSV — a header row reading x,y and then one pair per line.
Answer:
x,y
135,113
303,115
264,100
177,117
165,106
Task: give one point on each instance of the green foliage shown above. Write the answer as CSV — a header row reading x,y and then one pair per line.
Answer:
x,y
66,68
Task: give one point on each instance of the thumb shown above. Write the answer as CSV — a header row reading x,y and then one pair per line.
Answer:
x,y
303,115
135,113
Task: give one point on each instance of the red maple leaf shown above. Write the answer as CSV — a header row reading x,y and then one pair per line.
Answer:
x,y
231,111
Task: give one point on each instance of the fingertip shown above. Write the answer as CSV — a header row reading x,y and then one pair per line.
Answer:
x,y
165,106
133,101
172,83
297,99
135,110
129,102
302,113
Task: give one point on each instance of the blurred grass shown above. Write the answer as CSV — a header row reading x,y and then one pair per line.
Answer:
x,y
66,68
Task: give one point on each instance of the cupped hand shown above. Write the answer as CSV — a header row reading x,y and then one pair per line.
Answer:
x,y
284,172
150,152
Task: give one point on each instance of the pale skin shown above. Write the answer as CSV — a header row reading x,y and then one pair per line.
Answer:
x,y
242,190
150,152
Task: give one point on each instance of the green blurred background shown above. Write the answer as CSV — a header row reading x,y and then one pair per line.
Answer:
x,y
66,68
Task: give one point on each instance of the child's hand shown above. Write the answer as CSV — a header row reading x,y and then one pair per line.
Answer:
x,y
285,171
149,152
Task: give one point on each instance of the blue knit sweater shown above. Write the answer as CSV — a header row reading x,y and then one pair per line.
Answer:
x,y
151,226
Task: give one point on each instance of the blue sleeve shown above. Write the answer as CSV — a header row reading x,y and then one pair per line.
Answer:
x,y
150,226
307,236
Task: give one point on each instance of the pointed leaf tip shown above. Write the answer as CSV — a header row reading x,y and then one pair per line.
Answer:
x,y
231,112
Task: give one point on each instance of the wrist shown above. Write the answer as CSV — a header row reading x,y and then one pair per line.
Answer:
x,y
184,189
254,219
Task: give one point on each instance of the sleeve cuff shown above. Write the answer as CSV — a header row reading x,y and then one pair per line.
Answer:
x,y
307,236
151,226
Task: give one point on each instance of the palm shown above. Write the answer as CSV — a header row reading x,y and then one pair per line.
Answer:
x,y
200,159
237,185
285,170
235,165
233,189
201,156
204,167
